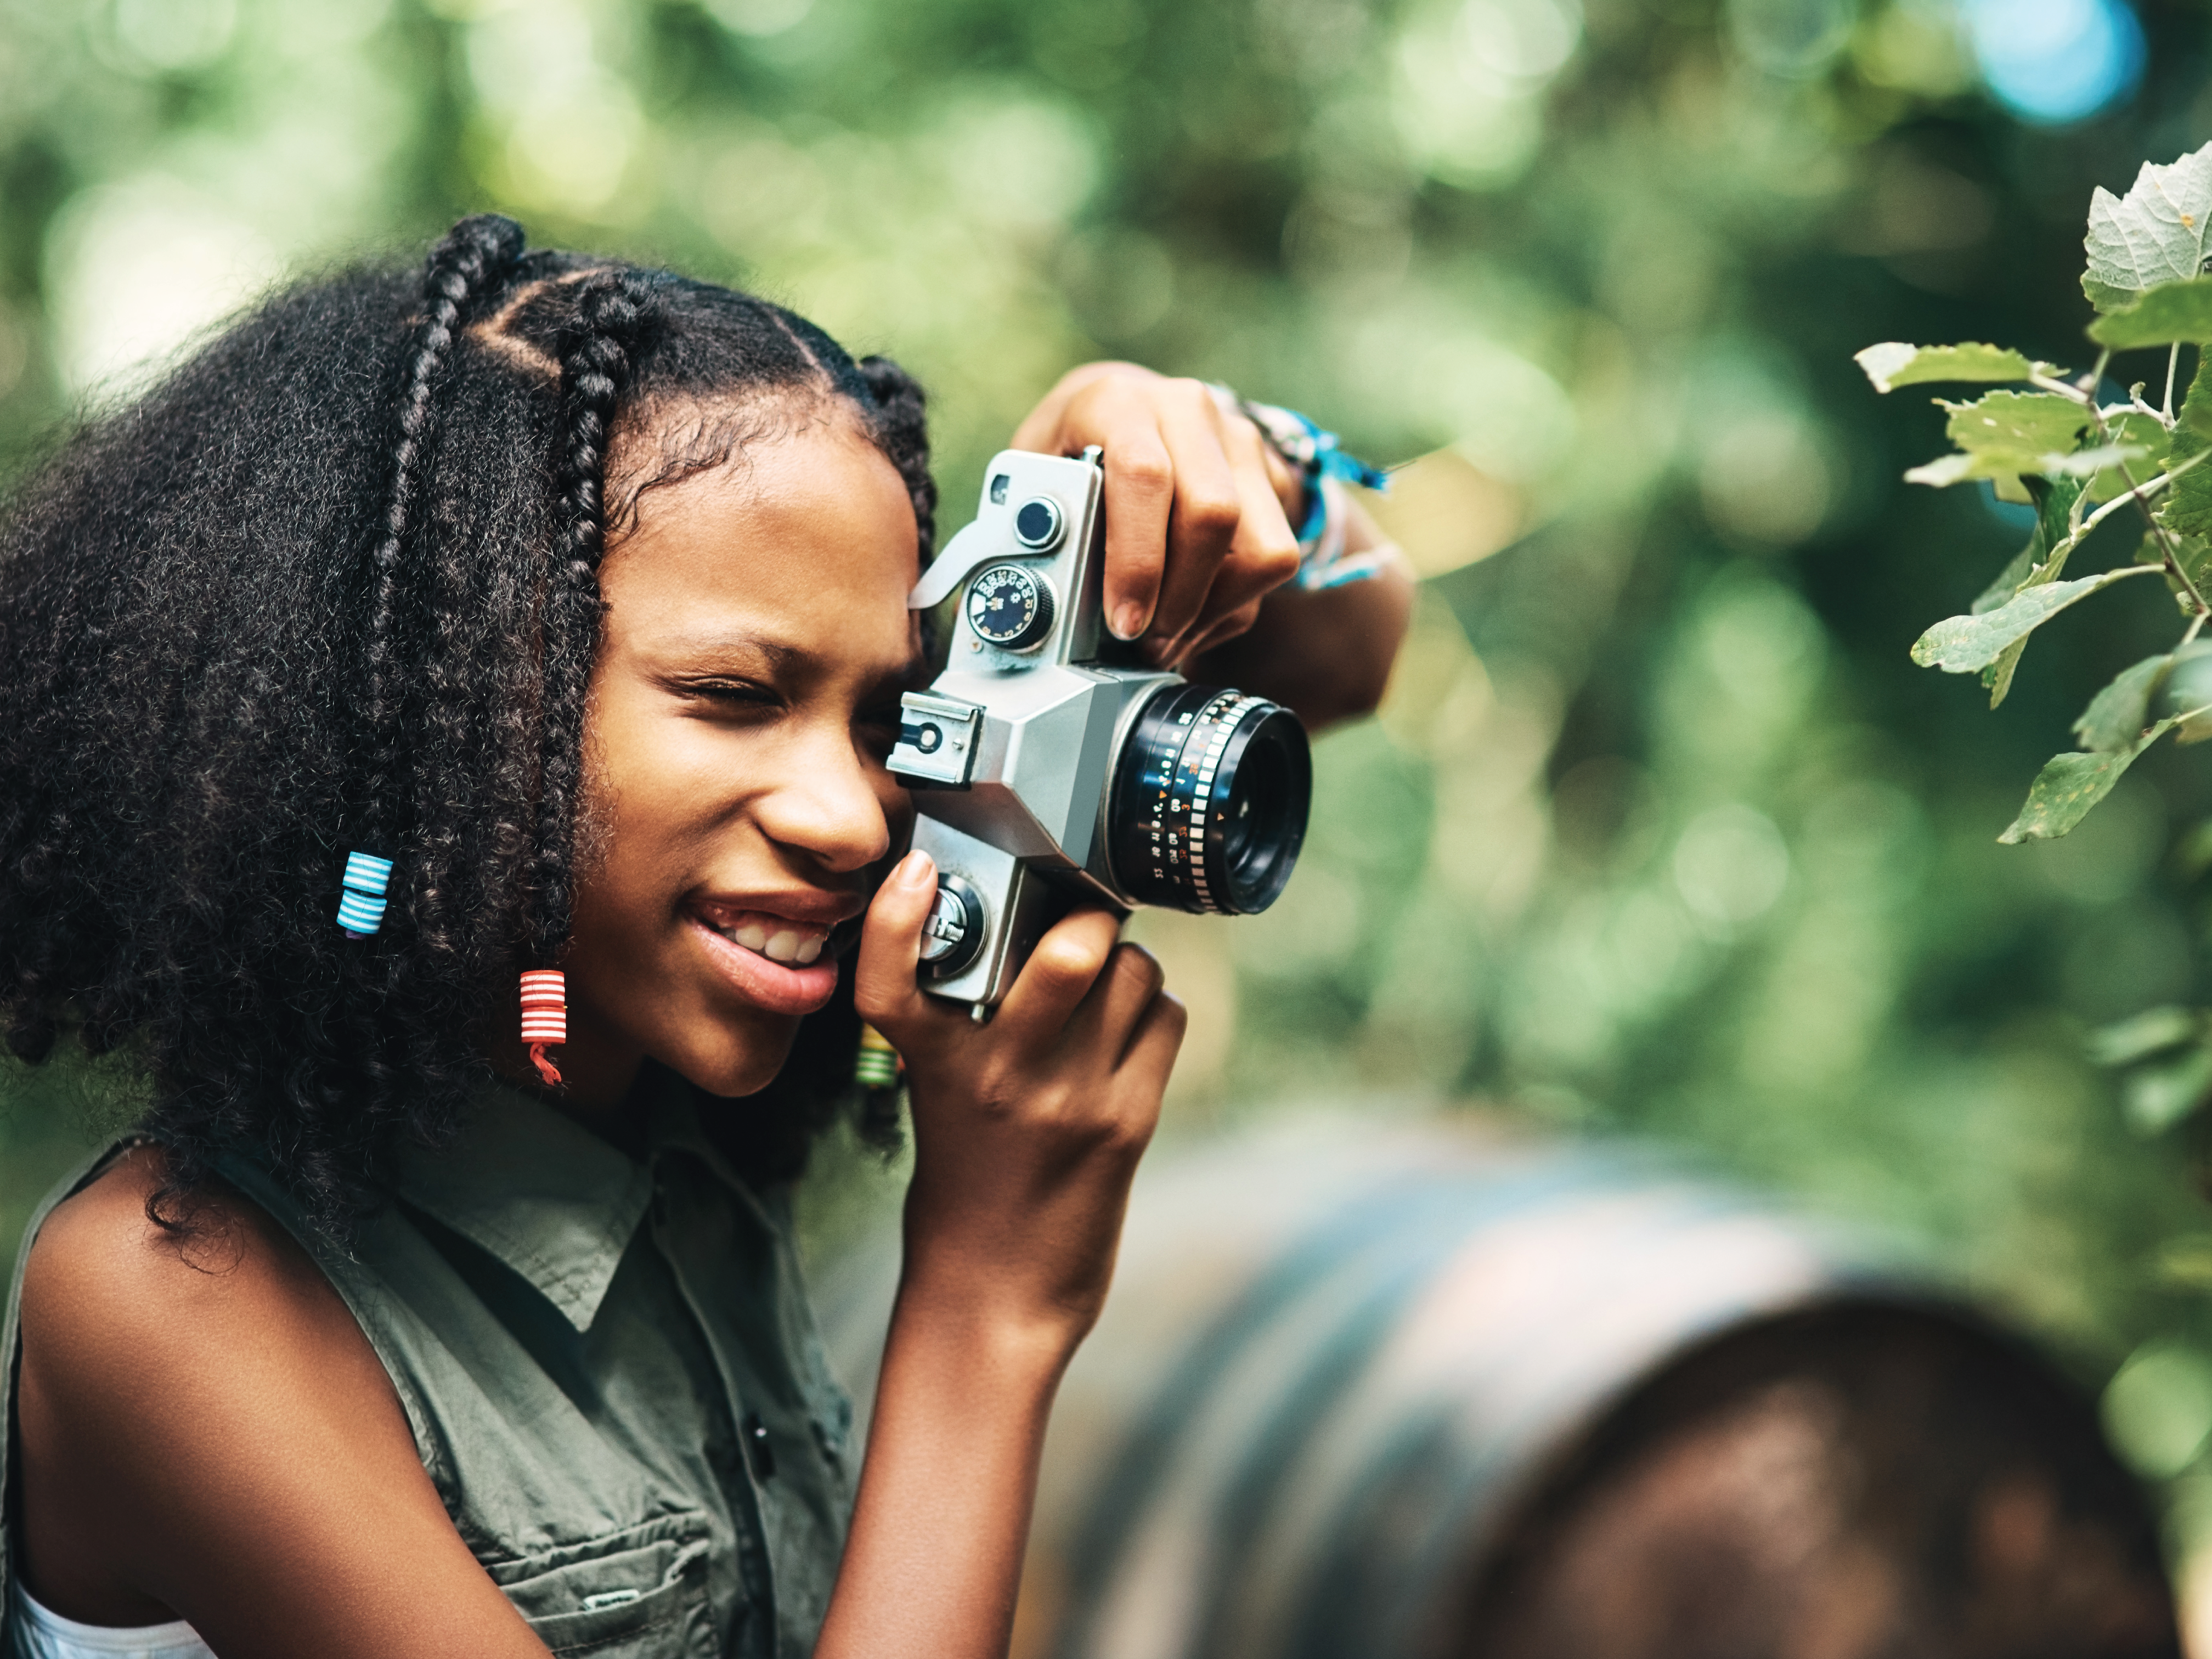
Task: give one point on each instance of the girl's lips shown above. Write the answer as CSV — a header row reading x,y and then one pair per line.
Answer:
x,y
771,985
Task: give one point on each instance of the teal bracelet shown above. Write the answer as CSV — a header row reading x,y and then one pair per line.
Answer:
x,y
1320,458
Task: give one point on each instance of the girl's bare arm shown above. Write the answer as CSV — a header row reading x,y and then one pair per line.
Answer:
x,y
1027,1132
207,1435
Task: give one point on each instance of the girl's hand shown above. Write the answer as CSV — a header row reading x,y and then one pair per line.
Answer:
x,y
1198,507
1027,1130
1199,514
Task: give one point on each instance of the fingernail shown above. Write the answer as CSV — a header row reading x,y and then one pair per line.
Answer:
x,y
1129,621
916,869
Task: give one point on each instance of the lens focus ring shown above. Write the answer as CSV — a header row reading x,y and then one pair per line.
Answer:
x,y
1209,802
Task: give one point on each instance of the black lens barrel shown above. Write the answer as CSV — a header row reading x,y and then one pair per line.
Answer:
x,y
1209,801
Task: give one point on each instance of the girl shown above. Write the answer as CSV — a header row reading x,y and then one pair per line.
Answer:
x,y
571,596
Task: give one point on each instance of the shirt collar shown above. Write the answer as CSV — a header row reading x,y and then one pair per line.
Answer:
x,y
539,1191
552,1199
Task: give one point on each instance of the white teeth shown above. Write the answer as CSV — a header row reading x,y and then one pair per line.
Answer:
x,y
775,938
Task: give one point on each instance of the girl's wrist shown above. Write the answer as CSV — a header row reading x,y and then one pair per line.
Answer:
x,y
992,1327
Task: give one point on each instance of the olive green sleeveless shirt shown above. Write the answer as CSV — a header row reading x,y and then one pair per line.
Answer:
x,y
611,1373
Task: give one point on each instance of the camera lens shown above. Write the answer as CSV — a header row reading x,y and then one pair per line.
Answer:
x,y
1209,801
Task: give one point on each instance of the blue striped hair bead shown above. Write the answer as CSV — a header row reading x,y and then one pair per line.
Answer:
x,y
361,900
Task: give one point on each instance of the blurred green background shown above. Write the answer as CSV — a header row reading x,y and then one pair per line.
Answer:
x,y
1659,832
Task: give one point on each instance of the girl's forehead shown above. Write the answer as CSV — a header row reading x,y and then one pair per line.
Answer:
x,y
662,441
813,506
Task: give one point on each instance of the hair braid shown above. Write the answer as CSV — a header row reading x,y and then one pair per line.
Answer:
x,y
597,352
902,428
474,255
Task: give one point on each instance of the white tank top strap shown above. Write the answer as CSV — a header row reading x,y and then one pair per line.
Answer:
x,y
36,1633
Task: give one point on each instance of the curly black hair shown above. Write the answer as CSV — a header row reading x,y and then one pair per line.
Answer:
x,y
333,584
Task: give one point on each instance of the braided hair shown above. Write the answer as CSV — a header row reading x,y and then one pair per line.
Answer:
x,y
333,582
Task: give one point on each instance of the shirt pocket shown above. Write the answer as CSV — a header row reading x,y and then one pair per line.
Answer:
x,y
640,1592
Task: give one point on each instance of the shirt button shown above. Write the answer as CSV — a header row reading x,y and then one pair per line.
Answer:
x,y
758,1450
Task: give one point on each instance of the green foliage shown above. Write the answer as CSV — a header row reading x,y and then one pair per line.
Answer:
x,y
1963,644
2007,433
2187,509
2150,245
2116,719
2159,233
1893,364
2177,311
2069,785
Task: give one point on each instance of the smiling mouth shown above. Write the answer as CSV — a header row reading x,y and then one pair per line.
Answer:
x,y
789,943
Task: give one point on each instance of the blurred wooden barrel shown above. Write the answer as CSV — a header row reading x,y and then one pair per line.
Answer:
x,y
1420,1392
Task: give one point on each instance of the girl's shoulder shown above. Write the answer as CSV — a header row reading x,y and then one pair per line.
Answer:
x,y
105,1284
204,1431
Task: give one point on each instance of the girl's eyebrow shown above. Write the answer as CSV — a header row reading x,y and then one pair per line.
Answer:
x,y
785,657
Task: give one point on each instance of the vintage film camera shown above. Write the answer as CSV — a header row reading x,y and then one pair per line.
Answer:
x,y
1055,768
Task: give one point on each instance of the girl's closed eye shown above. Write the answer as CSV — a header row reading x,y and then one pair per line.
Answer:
x,y
720,696
877,726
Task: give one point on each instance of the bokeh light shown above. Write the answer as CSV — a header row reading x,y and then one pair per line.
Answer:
x,y
2056,61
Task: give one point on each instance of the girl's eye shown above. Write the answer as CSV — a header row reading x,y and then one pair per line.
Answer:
x,y
733,695
879,728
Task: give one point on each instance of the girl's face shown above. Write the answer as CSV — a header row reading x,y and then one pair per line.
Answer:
x,y
744,700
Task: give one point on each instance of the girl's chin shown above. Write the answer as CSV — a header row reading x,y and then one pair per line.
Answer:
x,y
770,986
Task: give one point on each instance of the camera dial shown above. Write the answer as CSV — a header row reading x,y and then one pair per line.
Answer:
x,y
1010,607
1038,523
954,930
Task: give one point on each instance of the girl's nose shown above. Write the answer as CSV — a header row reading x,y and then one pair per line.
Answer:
x,y
823,806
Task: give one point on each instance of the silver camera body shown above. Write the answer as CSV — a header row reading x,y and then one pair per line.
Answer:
x,y
1052,767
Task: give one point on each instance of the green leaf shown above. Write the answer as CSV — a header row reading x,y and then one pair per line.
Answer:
x,y
2105,460
2054,500
2132,430
2028,425
2159,1096
2116,716
2141,1035
1893,363
2187,693
2170,312
2069,785
2014,577
2187,508
2160,232
1946,469
2006,432
1959,645
2192,553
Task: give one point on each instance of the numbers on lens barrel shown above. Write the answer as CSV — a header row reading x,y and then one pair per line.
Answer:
x,y
1010,607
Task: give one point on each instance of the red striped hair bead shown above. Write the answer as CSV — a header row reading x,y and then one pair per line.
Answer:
x,y
544,1018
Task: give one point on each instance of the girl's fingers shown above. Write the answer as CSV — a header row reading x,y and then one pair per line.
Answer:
x,y
1151,1053
1209,505
884,988
1140,492
1059,975
1264,532
1263,554
1132,978
1222,630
